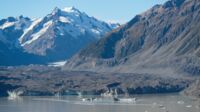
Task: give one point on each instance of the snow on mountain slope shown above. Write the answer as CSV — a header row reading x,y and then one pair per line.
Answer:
x,y
35,36
11,52
12,28
62,33
35,22
7,24
18,23
76,23
57,64
64,20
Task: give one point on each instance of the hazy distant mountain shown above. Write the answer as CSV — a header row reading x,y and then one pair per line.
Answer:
x,y
163,40
54,37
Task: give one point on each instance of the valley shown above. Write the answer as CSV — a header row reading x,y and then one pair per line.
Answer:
x,y
157,51
43,80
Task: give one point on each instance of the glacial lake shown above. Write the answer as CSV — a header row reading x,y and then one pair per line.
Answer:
x,y
144,103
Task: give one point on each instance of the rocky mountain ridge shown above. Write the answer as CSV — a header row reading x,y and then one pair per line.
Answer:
x,y
164,40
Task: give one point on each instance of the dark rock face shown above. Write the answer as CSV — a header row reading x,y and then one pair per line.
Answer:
x,y
193,89
157,89
165,36
174,3
15,56
6,87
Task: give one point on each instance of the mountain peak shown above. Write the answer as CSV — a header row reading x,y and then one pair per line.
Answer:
x,y
174,3
70,9
64,11
21,17
55,11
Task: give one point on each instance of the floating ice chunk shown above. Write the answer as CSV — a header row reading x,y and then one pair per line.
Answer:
x,y
58,94
14,94
127,100
180,102
188,106
162,107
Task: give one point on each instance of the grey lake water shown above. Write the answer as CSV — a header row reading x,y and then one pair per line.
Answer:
x,y
144,103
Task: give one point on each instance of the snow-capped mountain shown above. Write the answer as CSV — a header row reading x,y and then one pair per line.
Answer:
x,y
12,28
62,33
18,22
57,36
11,52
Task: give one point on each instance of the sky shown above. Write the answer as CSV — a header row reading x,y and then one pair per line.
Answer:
x,y
107,10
